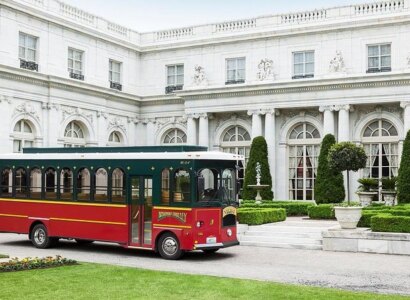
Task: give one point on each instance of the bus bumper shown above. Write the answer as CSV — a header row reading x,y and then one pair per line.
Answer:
x,y
215,246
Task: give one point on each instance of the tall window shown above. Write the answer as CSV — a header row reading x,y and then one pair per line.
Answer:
x,y
303,64
74,135
114,139
165,185
101,185
75,63
304,146
35,183
175,78
380,140
379,58
6,182
83,184
175,136
50,180
23,136
28,51
235,70
21,183
115,75
66,184
182,186
118,186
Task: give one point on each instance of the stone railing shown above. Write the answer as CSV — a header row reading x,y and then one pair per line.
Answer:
x,y
235,25
379,7
117,29
76,14
174,33
304,16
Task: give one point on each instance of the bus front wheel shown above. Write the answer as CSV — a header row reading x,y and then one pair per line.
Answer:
x,y
40,238
169,247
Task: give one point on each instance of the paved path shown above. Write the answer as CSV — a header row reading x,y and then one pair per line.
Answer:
x,y
353,271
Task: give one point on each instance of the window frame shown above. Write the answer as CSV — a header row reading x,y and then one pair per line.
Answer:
x,y
379,68
236,79
304,62
75,73
26,36
175,85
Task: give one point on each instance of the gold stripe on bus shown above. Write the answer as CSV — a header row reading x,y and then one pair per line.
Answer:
x,y
64,203
171,226
88,221
172,208
14,216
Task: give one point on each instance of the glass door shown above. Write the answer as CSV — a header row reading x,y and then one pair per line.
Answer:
x,y
141,211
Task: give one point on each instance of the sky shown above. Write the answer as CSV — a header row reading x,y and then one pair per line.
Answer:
x,y
152,15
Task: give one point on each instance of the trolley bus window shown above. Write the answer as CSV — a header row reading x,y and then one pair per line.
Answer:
x,y
182,186
50,180
6,182
83,184
208,184
35,183
228,186
101,184
66,184
118,186
21,183
165,184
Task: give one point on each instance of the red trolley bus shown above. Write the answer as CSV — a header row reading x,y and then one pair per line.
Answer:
x,y
168,199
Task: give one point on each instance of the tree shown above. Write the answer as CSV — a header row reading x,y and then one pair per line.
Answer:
x,y
403,180
329,186
259,153
346,156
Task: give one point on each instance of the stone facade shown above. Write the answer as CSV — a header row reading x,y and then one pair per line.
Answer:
x,y
292,78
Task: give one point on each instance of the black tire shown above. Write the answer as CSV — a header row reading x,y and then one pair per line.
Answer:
x,y
210,251
40,238
169,247
83,242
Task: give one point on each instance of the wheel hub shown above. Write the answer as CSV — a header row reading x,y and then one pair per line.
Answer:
x,y
170,246
39,236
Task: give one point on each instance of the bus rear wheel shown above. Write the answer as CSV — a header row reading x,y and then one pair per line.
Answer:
x,y
40,238
169,247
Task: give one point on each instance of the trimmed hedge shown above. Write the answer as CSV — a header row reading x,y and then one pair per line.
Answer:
x,y
259,216
292,208
365,220
322,211
389,223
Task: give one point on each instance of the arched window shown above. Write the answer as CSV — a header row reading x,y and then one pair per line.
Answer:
x,y
182,186
175,136
304,146
381,141
101,185
23,136
21,183
35,183
50,180
83,184
165,185
6,182
115,139
74,135
118,186
208,185
66,184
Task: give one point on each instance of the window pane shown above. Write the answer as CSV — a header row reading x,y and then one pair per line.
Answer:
x,y
31,42
231,64
77,55
373,62
180,69
373,50
231,75
171,80
386,61
310,68
241,75
310,56
22,53
27,128
22,40
171,70
180,79
298,57
241,63
31,55
298,69
385,49
70,54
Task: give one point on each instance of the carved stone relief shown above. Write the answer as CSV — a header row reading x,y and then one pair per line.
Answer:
x,y
337,64
265,70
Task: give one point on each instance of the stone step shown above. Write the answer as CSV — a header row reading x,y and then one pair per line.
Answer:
x,y
280,245
306,224
312,235
288,229
280,240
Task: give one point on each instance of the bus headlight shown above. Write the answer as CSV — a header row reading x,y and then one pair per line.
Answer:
x,y
229,232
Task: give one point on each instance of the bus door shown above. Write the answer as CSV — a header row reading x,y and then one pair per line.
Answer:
x,y
141,211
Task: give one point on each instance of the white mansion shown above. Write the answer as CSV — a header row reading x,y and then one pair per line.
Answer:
x,y
70,78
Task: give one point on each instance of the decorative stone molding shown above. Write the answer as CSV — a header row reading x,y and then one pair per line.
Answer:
x,y
76,111
50,106
404,104
5,99
102,114
347,107
116,123
337,64
26,109
255,112
265,70
271,111
363,111
199,77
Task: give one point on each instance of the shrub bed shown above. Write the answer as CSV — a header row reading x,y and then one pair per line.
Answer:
x,y
365,220
292,208
322,211
29,263
389,223
259,216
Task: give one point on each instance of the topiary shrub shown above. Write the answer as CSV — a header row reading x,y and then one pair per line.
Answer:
x,y
292,208
388,223
255,216
329,186
322,212
258,153
403,180
346,156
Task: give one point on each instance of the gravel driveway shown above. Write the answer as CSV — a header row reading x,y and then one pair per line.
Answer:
x,y
351,271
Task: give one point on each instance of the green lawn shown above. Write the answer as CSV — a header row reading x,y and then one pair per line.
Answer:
x,y
92,281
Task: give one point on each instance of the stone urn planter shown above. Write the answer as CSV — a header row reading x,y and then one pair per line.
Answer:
x,y
348,217
389,198
366,198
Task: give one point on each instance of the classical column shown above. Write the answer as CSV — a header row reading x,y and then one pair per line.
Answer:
x,y
150,129
132,128
344,123
203,130
102,138
328,119
191,130
54,119
270,134
256,122
406,115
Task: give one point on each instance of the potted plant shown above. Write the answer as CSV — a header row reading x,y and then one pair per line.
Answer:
x,y
367,190
389,190
346,156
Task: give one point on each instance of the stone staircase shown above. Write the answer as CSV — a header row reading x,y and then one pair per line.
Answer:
x,y
295,233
